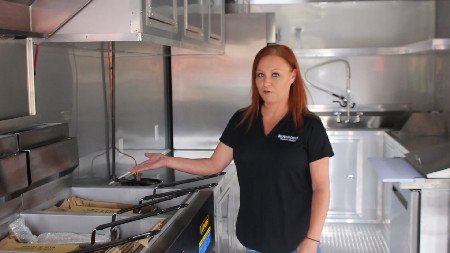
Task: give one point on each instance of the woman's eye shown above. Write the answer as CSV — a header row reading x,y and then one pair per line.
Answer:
x,y
275,74
259,74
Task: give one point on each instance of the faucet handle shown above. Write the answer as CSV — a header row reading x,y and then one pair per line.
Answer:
x,y
338,114
358,117
342,102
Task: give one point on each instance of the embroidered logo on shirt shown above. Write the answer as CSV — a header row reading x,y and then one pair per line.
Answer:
x,y
287,138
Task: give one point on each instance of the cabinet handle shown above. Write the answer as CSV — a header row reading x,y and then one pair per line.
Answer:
x,y
351,176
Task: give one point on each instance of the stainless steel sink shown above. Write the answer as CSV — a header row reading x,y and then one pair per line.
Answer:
x,y
365,120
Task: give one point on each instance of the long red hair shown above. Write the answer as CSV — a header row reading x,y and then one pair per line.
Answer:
x,y
297,94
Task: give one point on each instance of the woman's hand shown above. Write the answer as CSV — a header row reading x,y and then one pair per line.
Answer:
x,y
155,161
221,157
307,246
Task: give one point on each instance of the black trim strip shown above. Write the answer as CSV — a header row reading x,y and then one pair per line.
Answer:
x,y
400,197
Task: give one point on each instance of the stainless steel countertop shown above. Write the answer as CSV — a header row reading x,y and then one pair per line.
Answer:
x,y
414,142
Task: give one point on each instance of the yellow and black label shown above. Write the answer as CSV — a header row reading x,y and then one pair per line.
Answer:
x,y
205,224
205,242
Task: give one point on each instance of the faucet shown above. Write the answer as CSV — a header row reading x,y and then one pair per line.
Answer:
x,y
344,101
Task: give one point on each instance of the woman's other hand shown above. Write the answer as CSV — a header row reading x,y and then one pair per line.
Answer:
x,y
155,161
307,246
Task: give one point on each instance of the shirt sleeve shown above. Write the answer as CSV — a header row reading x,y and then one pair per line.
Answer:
x,y
229,135
319,145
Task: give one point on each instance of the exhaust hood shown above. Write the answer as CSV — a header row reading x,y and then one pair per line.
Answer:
x,y
36,18
125,20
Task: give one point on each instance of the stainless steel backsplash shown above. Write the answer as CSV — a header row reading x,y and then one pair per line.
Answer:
x,y
72,85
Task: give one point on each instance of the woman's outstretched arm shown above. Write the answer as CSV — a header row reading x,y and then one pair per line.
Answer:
x,y
220,159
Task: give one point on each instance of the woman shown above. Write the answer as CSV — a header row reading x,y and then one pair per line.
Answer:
x,y
281,152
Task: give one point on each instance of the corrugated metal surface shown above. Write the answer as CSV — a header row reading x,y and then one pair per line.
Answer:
x,y
353,238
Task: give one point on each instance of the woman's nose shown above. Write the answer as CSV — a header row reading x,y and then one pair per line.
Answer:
x,y
267,81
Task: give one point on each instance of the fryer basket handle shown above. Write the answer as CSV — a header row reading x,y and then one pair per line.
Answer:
x,y
176,192
119,242
134,218
189,180
161,198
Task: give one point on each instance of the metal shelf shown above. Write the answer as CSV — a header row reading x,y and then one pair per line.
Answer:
x,y
427,46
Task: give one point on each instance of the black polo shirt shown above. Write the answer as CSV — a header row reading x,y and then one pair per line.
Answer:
x,y
274,179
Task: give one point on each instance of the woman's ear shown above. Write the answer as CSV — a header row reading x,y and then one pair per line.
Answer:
x,y
293,75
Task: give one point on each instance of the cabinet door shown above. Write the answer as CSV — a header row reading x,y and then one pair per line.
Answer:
x,y
162,14
216,18
193,18
399,223
224,229
343,177
354,184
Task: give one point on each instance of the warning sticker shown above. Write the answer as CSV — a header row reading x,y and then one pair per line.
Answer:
x,y
205,225
206,240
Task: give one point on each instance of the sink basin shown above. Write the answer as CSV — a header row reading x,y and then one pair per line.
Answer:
x,y
368,119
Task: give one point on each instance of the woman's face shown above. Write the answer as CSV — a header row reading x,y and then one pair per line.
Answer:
x,y
274,77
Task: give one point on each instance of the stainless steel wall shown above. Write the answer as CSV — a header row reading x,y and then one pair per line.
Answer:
x,y
69,89
13,79
352,24
72,86
389,80
208,89
141,102
442,19
442,82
